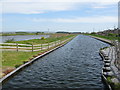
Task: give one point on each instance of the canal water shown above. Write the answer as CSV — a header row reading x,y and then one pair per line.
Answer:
x,y
75,65
21,37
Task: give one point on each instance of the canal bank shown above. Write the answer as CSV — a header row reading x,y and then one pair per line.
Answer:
x,y
110,72
75,65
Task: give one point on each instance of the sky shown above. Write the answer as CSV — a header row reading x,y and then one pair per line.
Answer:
x,y
58,15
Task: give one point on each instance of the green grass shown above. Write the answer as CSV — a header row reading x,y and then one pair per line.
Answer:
x,y
15,45
12,58
106,37
9,40
39,41
115,86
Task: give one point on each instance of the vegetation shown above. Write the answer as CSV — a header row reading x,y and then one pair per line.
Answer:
x,y
42,41
93,33
22,33
115,86
14,59
42,38
9,40
110,36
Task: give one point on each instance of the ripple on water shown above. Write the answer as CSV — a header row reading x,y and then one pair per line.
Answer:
x,y
75,65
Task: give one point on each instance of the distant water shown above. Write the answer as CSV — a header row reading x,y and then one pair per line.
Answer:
x,y
75,65
21,37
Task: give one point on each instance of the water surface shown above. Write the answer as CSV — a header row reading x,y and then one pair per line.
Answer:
x,y
21,37
75,65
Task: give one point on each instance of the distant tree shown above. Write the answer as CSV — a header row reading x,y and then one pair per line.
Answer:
x,y
93,33
37,33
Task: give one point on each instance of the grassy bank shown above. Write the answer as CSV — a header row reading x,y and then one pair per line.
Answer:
x,y
13,59
106,37
42,41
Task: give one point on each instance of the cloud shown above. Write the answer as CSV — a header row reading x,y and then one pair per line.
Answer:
x,y
99,7
60,0
43,6
35,8
97,19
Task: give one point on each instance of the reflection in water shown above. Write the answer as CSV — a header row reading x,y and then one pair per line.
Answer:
x,y
76,65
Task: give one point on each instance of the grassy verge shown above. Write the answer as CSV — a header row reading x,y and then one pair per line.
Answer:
x,y
106,37
39,41
12,58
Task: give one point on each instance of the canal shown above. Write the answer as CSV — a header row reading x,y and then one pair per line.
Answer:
x,y
75,65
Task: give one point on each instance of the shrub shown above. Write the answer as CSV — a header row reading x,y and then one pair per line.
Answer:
x,y
18,65
42,38
25,62
9,40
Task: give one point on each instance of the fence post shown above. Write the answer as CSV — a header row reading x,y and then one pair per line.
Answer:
x,y
17,46
55,43
60,41
48,45
41,46
32,47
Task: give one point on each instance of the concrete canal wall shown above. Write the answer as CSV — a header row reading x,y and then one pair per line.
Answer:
x,y
110,73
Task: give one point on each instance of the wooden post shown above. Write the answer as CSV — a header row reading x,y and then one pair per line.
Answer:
x,y
41,46
48,45
55,43
32,47
17,46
